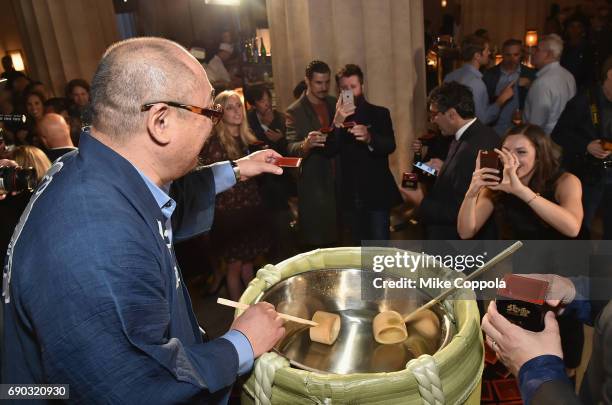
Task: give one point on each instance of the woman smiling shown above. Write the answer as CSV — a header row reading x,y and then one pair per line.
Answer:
x,y
533,199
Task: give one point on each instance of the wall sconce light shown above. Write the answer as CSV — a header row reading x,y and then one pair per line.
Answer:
x,y
531,38
223,2
432,59
444,3
17,58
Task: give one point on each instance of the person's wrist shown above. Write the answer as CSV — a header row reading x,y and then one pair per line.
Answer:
x,y
236,170
524,193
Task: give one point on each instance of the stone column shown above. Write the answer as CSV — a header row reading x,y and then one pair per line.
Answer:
x,y
384,37
65,39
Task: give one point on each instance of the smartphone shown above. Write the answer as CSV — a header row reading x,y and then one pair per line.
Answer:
x,y
426,168
347,97
490,159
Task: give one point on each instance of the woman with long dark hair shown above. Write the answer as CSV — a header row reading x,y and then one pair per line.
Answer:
x,y
532,199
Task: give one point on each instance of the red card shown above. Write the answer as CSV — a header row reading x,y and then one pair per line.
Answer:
x,y
288,162
349,124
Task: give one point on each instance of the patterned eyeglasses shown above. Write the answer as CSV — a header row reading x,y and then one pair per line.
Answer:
x,y
215,112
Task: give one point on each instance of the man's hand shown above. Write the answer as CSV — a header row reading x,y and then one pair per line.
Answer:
x,y
506,94
315,139
514,345
561,290
416,146
413,196
435,163
595,149
342,112
274,135
260,324
257,163
361,133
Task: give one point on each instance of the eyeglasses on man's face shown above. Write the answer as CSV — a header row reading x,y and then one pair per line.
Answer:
x,y
215,112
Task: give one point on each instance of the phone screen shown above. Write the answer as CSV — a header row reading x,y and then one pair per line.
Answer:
x,y
426,168
347,97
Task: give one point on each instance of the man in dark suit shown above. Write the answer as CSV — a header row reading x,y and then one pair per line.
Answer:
x,y
509,71
451,107
102,305
316,183
368,190
583,129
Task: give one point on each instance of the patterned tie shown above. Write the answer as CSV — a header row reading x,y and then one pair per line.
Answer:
x,y
451,152
452,149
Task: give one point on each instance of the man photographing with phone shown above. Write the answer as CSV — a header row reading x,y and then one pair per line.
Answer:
x,y
364,139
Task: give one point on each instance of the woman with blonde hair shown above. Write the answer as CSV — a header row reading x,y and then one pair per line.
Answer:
x,y
239,232
31,156
12,205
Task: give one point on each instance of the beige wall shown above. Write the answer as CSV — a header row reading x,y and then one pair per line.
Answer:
x,y
504,19
193,22
64,39
384,37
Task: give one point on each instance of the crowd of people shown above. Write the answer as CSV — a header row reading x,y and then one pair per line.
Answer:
x,y
549,128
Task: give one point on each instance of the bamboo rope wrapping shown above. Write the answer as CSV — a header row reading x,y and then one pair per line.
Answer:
x,y
459,364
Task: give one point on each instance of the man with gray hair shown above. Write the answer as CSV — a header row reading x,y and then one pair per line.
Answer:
x,y
92,294
553,87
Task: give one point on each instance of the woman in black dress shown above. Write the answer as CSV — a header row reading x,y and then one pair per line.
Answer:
x,y
535,199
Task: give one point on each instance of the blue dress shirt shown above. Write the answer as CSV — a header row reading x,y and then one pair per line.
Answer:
x,y
224,179
471,77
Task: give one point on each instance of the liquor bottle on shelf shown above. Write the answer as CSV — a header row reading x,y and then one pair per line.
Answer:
x,y
249,51
263,51
255,50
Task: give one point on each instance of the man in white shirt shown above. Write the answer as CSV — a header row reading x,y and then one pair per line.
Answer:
x,y
553,88
215,68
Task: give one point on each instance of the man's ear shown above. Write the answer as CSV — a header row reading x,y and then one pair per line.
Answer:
x,y
452,114
158,123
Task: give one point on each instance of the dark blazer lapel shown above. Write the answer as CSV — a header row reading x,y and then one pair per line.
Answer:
x,y
310,112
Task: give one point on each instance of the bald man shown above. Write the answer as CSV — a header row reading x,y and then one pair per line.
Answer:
x,y
92,294
54,132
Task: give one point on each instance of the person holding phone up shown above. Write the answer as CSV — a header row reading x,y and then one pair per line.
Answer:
x,y
451,108
364,139
532,197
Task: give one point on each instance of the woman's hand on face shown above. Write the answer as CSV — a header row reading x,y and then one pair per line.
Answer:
x,y
510,182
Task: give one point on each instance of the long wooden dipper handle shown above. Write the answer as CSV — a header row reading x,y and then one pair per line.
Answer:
x,y
488,265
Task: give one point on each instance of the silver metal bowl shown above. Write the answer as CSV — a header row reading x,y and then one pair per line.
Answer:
x,y
350,293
